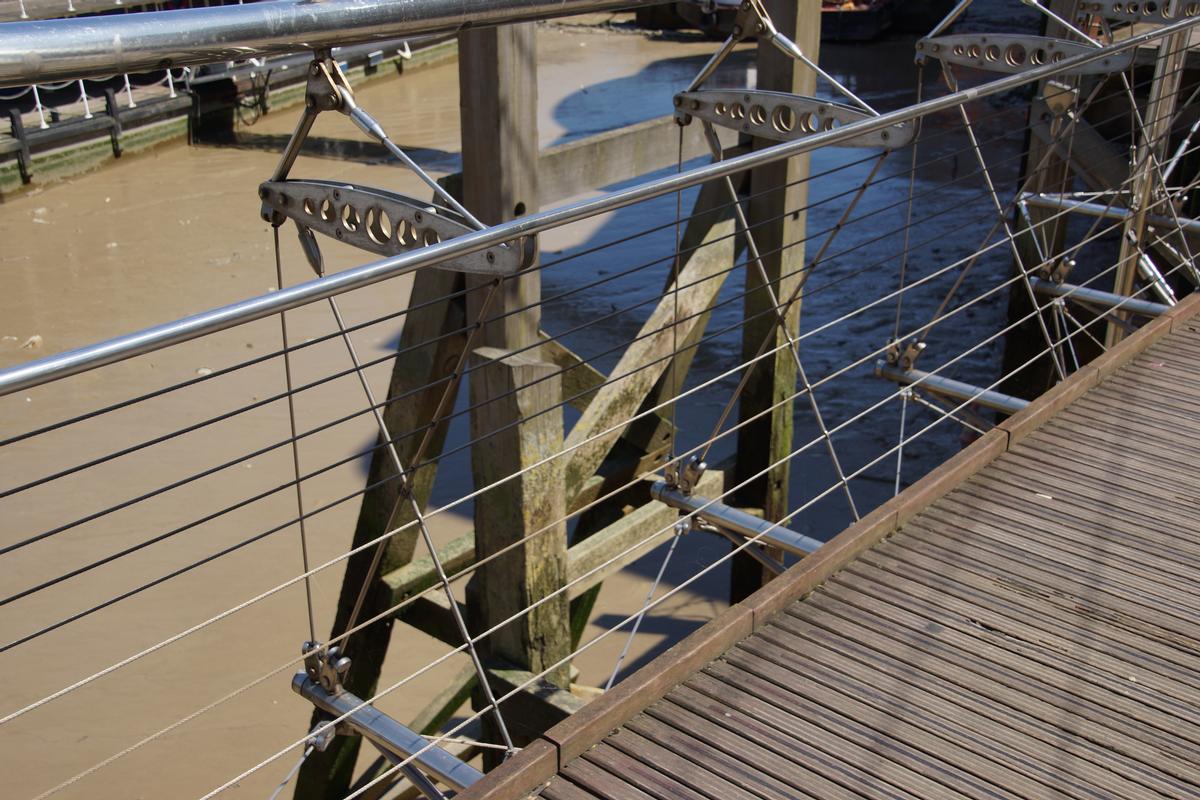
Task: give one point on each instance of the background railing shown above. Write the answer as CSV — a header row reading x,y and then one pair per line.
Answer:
x,y
473,455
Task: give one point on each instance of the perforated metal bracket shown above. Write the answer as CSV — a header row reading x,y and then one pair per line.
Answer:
x,y
1154,13
782,117
1014,53
378,221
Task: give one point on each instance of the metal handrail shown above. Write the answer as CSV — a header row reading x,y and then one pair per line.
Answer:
x,y
45,370
60,49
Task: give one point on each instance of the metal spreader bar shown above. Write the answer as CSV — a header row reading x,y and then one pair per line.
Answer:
x,y
736,521
1095,297
320,684
948,387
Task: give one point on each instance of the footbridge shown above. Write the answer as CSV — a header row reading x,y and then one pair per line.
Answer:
x,y
503,462
1022,622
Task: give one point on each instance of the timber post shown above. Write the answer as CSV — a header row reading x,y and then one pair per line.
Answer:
x,y
516,417
414,392
1046,118
778,228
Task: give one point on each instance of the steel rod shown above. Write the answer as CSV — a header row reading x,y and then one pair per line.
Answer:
x,y
1099,298
948,387
386,733
731,519
1058,202
60,49
35,373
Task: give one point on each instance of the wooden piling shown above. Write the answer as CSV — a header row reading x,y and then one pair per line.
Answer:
x,y
516,418
779,229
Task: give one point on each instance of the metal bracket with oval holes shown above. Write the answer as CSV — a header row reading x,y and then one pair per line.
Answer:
x,y
1013,53
378,221
1161,12
783,117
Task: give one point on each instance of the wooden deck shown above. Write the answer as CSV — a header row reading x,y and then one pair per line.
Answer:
x,y
1024,622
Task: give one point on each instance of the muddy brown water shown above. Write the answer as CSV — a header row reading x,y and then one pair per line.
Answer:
x,y
176,231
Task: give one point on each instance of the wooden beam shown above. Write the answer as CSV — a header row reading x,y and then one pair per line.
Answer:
x,y
418,575
1096,160
419,376
513,432
777,194
585,165
645,360
642,529
535,708
580,380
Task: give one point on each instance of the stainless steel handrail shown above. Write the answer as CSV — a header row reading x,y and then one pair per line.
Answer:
x,y
66,49
35,373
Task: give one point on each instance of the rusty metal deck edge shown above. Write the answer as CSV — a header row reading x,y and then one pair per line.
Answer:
x,y
536,764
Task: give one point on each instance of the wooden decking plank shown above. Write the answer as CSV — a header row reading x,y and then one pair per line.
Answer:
x,y
1118,403
980,775
986,491
949,722
784,774
1115,438
1042,543
1148,559
752,697
896,762
744,674
560,788
607,772
1016,624
1166,367
1178,347
683,766
1133,392
971,673
1050,456
647,779
1011,571
913,637
844,764
1135,436
1137,474
1028,717
1068,573
986,496
963,634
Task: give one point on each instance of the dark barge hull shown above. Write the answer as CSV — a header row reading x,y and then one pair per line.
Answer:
x,y
857,25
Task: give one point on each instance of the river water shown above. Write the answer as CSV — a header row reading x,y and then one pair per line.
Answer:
x,y
176,231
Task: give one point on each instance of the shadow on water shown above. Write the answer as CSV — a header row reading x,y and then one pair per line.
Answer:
x,y
336,149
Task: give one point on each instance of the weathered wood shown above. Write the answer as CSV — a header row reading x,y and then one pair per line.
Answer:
x,y
1153,141
418,381
580,380
646,527
988,647
527,391
778,227
536,707
497,69
631,380
418,575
